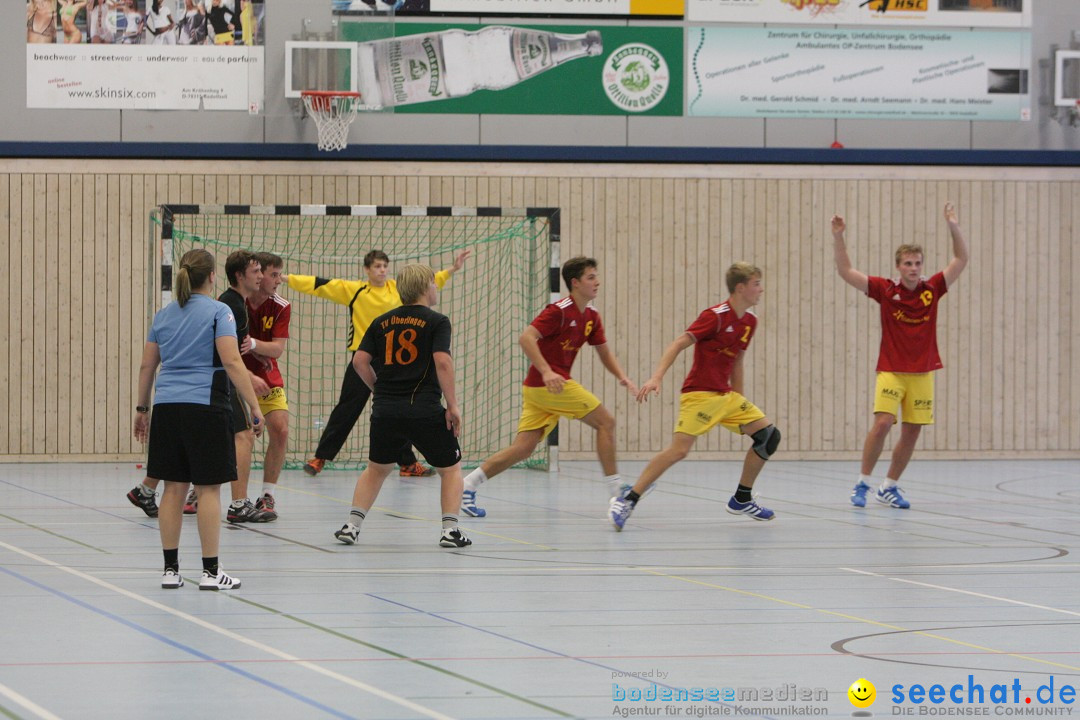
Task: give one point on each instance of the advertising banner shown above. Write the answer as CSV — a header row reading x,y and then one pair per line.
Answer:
x,y
501,69
900,74
519,8
926,13
148,55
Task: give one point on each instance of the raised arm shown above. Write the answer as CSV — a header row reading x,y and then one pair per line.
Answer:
x,y
444,370
608,358
851,276
652,385
340,291
959,247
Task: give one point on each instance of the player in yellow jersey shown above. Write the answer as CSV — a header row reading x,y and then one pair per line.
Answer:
x,y
366,300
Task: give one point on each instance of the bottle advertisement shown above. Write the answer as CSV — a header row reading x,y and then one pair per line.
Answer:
x,y
501,69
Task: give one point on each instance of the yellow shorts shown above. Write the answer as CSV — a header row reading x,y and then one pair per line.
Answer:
x,y
542,409
701,411
225,38
273,400
913,392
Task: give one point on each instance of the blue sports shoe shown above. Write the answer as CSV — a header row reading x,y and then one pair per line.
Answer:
x,y
751,509
619,510
468,504
858,495
892,498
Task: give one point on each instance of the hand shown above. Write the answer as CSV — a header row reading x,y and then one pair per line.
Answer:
x,y
950,214
459,261
142,427
245,346
838,225
629,385
453,420
260,386
258,422
285,278
553,381
650,386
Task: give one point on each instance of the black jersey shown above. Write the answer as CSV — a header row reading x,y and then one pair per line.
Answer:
x,y
402,344
236,303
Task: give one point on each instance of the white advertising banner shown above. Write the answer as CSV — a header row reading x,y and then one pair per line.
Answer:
x,y
904,74
926,13
144,77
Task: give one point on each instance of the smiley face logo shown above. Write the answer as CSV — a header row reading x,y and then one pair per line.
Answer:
x,y
862,693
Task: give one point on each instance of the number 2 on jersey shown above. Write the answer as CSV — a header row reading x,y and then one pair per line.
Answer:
x,y
405,352
746,334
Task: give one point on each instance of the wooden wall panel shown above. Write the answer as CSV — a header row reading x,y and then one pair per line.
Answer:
x,y
77,270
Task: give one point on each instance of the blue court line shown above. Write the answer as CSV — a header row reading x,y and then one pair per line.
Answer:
x,y
179,646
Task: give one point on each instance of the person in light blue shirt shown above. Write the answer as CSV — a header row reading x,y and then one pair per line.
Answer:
x,y
190,432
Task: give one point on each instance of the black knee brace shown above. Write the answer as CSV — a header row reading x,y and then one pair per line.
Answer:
x,y
766,440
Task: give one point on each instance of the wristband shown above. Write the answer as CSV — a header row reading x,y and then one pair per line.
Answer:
x,y
253,344
142,409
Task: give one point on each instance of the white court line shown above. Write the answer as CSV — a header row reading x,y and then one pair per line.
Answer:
x,y
426,712
27,703
966,592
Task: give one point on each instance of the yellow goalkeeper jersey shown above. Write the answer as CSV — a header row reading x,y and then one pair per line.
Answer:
x,y
365,302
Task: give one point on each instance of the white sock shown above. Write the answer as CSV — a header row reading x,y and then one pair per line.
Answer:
x,y
614,484
146,489
475,479
888,483
268,488
868,479
238,503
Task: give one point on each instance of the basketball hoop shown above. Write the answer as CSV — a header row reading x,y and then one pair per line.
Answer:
x,y
333,113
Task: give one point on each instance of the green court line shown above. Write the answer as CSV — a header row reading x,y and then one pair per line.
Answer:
x,y
414,661
50,532
8,713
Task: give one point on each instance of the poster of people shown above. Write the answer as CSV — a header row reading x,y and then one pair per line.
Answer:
x,y
163,54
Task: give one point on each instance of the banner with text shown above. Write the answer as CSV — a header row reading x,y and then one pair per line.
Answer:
x,y
503,69
519,8
145,54
899,74
927,13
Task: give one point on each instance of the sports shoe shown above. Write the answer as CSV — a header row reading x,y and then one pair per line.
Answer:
x,y
265,504
314,466
348,534
858,495
191,505
619,510
221,581
454,537
171,579
416,470
468,504
146,503
246,513
751,509
892,498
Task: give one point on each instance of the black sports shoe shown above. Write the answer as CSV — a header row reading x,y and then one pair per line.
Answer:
x,y
454,537
247,513
265,504
146,503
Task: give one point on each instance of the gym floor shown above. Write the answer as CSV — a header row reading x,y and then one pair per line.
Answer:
x,y
551,613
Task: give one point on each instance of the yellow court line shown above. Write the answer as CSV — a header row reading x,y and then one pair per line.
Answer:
x,y
856,618
407,516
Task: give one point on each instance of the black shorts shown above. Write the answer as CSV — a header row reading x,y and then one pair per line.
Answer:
x,y
429,435
241,418
191,443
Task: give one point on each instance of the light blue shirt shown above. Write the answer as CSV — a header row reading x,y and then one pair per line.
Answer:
x,y
191,371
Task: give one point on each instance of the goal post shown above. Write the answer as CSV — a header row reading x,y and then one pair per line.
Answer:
x,y
512,273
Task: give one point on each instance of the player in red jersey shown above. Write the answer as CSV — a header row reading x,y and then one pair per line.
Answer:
x,y
551,342
712,395
909,353
269,315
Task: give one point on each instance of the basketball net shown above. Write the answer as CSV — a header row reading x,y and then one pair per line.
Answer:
x,y
333,113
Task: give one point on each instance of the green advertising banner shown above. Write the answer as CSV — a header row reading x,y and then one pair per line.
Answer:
x,y
522,70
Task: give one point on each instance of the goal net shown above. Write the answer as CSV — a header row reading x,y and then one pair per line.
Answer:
x,y
502,286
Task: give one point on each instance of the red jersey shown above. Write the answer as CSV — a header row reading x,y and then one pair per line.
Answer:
x,y
908,323
719,336
563,330
269,321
